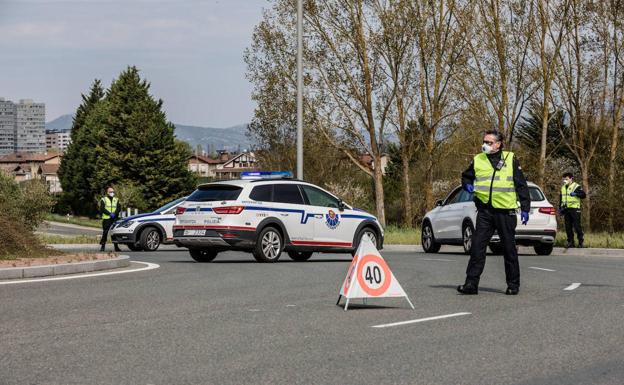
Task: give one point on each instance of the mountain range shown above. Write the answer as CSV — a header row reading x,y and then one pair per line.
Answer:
x,y
209,138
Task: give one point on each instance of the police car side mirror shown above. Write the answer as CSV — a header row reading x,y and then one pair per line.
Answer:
x,y
439,202
341,205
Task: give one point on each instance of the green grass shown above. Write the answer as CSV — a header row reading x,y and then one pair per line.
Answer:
x,y
395,235
82,221
64,239
597,240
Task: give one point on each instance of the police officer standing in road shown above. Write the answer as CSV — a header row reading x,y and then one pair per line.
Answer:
x,y
570,207
497,181
110,209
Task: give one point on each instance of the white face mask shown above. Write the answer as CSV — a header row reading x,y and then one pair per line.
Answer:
x,y
111,194
486,148
567,181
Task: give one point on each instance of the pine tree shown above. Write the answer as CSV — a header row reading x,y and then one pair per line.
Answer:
x,y
136,145
78,163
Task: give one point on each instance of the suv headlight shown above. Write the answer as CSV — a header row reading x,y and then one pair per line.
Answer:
x,y
126,224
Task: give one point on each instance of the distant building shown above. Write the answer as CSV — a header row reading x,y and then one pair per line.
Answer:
x,y
232,169
22,127
24,166
205,166
7,126
58,140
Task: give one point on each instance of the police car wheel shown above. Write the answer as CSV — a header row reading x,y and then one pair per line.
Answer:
x,y
150,239
467,233
368,233
427,239
203,255
543,248
269,245
299,256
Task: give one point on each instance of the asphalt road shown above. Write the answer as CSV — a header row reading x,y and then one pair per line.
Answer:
x,y
57,228
235,321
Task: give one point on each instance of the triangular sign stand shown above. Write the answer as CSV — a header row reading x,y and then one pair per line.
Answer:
x,y
370,277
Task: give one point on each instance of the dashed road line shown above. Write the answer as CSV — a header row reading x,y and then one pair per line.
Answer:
x,y
540,268
149,266
421,320
573,286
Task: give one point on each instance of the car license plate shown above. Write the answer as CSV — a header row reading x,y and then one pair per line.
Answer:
x,y
194,232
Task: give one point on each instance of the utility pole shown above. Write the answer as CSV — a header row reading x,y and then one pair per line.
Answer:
x,y
300,89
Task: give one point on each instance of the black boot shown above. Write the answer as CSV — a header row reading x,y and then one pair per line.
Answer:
x,y
468,289
570,245
117,247
512,291
581,245
101,247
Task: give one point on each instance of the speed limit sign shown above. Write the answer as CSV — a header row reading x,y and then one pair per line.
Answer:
x,y
369,276
373,275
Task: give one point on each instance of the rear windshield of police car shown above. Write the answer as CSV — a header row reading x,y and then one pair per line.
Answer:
x,y
215,193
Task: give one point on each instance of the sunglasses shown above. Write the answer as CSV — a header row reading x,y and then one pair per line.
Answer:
x,y
489,143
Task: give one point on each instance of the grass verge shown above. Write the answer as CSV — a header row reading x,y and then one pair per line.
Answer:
x,y
50,239
81,221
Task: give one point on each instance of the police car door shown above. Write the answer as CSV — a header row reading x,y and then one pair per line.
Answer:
x,y
289,208
330,228
445,227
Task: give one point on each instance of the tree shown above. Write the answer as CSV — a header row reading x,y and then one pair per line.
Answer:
x,y
136,144
77,167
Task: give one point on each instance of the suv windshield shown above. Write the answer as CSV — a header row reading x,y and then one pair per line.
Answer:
x,y
169,205
217,192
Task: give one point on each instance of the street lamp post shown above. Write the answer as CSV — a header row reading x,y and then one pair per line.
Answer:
x,y
300,89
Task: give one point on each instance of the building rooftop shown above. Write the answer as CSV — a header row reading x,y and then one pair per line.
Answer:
x,y
27,157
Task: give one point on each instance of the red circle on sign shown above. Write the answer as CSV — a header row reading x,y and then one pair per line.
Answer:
x,y
386,270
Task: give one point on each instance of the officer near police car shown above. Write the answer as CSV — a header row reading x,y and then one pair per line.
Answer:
x,y
570,208
496,179
109,209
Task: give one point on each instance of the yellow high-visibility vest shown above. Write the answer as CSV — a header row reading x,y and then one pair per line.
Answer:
x,y
110,205
567,200
499,182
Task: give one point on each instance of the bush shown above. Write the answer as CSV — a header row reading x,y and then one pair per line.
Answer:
x,y
22,208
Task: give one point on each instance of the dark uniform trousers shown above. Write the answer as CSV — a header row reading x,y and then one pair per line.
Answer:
x,y
489,220
573,223
106,224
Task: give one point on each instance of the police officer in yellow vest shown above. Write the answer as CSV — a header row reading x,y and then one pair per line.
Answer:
x,y
110,209
570,208
497,181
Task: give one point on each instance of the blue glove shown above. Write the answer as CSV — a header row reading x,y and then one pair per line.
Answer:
x,y
469,188
573,194
524,217
113,215
560,211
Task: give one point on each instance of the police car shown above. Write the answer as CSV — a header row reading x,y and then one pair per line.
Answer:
x,y
452,222
266,213
146,231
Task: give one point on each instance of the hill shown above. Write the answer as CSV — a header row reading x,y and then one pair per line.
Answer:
x,y
210,138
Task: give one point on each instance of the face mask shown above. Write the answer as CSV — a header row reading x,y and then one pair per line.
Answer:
x,y
486,148
566,182
112,194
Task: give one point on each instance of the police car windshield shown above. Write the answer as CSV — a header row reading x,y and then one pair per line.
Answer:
x,y
216,192
169,205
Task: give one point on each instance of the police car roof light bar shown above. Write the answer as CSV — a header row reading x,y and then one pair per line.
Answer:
x,y
267,175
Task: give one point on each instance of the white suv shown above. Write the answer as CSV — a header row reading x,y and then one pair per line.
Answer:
x,y
268,216
452,222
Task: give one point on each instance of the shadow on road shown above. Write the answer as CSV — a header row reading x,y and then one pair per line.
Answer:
x,y
254,261
454,288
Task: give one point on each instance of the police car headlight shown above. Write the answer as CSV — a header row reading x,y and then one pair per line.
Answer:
x,y
126,224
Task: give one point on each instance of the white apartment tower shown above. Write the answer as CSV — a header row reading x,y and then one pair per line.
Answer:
x,y
30,136
8,112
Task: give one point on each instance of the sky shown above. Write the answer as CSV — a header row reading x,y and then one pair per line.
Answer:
x,y
191,51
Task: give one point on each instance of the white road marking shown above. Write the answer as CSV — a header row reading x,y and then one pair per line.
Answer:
x,y
421,320
540,268
573,286
149,266
438,259
291,305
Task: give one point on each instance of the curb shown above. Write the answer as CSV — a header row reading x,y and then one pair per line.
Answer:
x,y
64,268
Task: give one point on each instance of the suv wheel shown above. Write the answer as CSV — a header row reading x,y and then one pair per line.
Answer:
x,y
299,256
150,239
427,239
543,248
203,255
269,245
467,232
